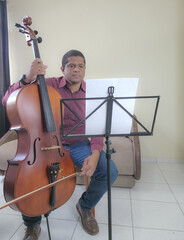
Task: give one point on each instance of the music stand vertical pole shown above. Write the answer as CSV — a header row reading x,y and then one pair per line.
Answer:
x,y
108,154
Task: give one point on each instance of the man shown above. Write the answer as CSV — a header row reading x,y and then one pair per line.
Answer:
x,y
88,155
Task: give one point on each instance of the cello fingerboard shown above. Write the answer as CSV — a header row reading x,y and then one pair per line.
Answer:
x,y
46,105
44,96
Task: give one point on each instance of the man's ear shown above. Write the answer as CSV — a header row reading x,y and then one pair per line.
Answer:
x,y
62,69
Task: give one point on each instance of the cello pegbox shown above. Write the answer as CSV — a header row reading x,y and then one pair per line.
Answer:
x,y
29,33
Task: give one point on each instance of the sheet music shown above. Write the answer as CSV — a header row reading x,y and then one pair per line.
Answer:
x,y
121,121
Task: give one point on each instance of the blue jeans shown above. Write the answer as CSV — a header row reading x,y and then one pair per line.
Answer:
x,y
98,184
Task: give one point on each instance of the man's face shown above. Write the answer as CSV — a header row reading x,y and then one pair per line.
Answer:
x,y
74,70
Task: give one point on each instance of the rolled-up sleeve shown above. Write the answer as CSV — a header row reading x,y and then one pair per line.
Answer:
x,y
97,143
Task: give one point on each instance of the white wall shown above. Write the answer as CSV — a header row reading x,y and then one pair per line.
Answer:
x,y
120,38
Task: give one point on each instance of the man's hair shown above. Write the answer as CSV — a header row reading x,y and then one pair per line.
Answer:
x,y
71,53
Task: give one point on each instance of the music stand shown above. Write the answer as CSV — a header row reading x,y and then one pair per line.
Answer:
x,y
110,99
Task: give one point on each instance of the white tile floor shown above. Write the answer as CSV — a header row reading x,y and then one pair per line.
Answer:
x,y
152,210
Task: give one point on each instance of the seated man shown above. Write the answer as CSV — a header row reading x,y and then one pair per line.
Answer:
x,y
88,155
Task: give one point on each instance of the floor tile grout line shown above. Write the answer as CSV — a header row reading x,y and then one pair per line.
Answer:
x,y
154,201
77,222
159,229
16,231
132,214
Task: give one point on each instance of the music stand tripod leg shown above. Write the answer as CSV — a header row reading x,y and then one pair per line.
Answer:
x,y
48,228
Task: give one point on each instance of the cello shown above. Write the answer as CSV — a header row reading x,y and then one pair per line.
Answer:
x,y
34,113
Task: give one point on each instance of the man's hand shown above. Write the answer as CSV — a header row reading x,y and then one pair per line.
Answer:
x,y
37,68
90,164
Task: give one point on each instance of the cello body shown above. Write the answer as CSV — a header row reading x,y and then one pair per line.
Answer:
x,y
37,151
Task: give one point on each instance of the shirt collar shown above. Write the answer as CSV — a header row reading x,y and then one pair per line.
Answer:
x,y
63,83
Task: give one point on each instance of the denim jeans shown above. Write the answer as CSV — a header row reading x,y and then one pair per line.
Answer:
x,y
98,184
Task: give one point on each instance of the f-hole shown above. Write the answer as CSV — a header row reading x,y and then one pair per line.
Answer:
x,y
57,141
34,152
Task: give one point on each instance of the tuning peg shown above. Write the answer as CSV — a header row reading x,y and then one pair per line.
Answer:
x,y
39,39
36,32
18,25
21,31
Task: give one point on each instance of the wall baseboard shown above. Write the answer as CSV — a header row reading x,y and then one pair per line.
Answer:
x,y
162,160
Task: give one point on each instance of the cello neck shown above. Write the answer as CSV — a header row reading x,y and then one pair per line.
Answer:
x,y
35,47
44,97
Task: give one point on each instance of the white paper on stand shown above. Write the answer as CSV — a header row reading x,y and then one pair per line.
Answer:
x,y
121,121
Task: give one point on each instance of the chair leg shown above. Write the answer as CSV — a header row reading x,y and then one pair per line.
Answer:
x,y
87,184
